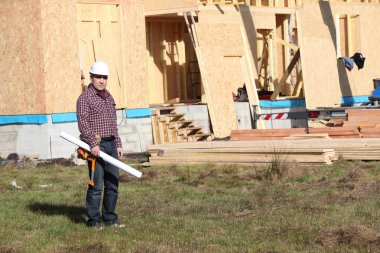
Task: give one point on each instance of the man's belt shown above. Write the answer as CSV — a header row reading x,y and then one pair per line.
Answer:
x,y
111,138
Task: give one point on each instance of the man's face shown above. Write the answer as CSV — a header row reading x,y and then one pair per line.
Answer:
x,y
99,81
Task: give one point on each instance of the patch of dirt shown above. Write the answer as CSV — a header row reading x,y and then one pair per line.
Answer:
x,y
349,235
366,190
135,157
150,174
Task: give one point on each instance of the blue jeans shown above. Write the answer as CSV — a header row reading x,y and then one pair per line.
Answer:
x,y
109,174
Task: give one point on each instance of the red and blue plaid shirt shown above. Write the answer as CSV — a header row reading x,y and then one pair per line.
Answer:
x,y
96,116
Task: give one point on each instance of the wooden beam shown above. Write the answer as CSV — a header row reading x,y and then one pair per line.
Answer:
x,y
171,11
289,69
287,44
251,72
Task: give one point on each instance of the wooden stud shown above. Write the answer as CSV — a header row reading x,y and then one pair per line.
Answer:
x,y
289,69
163,60
249,69
337,35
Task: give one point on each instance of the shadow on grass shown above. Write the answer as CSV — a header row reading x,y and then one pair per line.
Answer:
x,y
76,214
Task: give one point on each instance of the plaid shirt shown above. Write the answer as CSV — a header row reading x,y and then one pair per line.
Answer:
x,y
96,116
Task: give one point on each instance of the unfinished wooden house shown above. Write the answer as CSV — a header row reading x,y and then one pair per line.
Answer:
x,y
186,51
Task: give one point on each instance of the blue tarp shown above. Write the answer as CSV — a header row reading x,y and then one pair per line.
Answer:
x,y
23,119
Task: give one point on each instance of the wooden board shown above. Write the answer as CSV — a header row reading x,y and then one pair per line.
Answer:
x,y
325,78
225,63
21,63
61,56
134,54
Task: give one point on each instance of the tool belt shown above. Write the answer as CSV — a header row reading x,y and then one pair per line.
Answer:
x,y
86,155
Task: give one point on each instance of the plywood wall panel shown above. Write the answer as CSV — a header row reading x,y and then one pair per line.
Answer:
x,y
135,54
156,90
222,51
60,50
21,61
325,78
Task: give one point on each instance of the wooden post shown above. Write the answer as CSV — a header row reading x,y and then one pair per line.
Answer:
x,y
286,74
163,58
337,35
249,69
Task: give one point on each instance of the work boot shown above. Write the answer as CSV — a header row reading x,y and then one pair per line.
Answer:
x,y
96,226
116,224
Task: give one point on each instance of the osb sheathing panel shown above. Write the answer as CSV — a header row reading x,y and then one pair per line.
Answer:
x,y
151,5
21,61
222,52
156,68
326,79
135,54
60,55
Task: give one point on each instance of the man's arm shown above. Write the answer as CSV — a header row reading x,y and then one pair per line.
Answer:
x,y
83,115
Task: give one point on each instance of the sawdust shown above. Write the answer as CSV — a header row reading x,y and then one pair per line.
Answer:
x,y
349,235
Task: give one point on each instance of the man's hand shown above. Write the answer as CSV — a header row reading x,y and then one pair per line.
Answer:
x,y
120,152
95,151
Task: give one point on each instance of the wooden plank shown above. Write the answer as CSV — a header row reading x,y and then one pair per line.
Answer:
x,y
251,74
59,47
285,76
134,54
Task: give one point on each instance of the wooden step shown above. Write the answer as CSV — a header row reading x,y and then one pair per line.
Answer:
x,y
199,137
181,124
164,110
189,131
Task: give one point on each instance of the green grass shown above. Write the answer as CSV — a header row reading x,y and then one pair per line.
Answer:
x,y
204,208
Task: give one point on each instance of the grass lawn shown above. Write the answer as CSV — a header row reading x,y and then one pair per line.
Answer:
x,y
207,208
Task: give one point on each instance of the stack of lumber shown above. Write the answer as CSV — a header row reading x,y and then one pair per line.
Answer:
x,y
265,134
337,132
370,131
295,133
366,120
362,117
229,152
305,152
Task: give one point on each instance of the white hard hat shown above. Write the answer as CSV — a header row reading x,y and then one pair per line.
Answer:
x,y
99,68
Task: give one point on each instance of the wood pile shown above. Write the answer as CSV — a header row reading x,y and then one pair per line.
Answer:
x,y
366,120
229,152
306,152
295,133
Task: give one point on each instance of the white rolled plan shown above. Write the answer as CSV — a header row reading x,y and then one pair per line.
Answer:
x,y
103,155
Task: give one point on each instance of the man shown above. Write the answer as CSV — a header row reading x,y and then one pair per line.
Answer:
x,y
97,122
